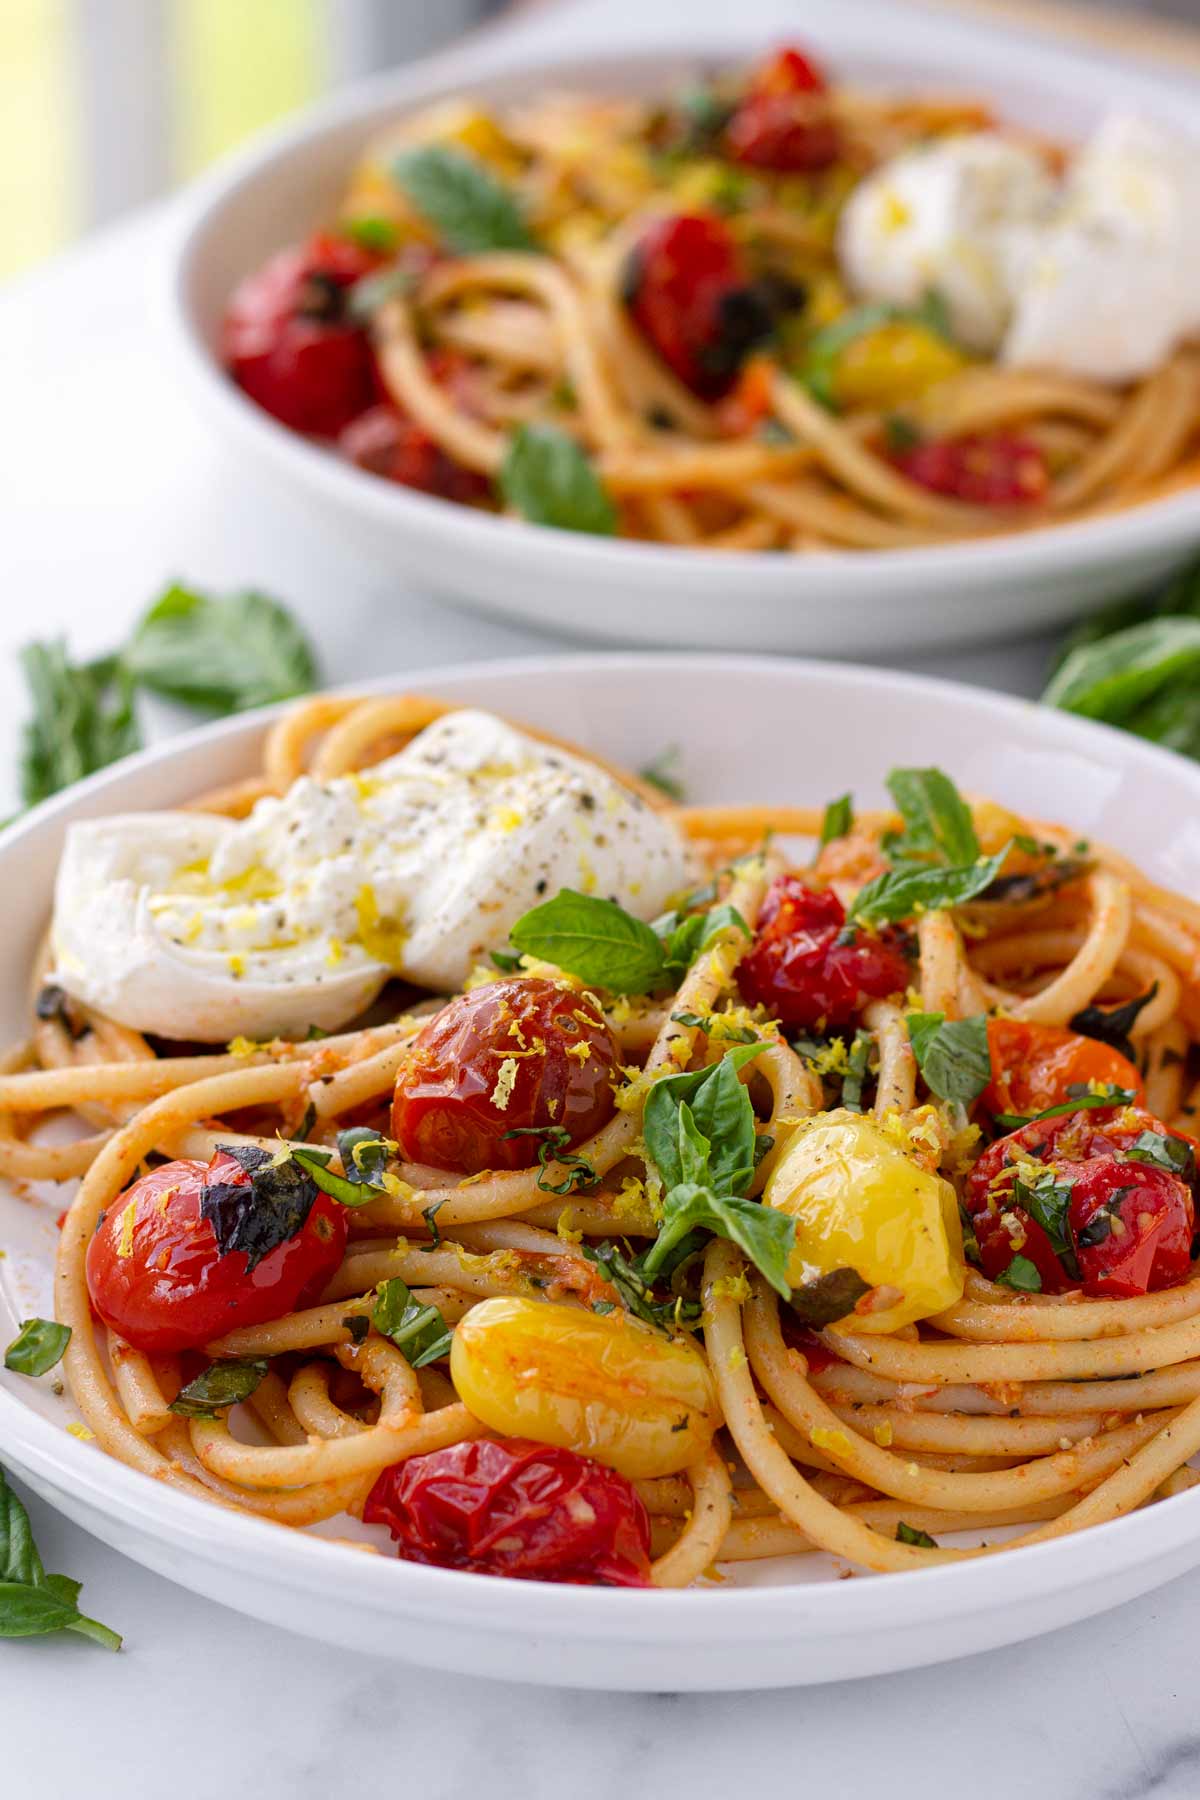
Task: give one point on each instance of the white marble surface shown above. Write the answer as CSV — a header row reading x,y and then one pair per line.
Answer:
x,y
106,489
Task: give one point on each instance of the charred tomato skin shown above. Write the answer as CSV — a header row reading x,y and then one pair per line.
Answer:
x,y
802,974
162,1282
516,1508
519,1054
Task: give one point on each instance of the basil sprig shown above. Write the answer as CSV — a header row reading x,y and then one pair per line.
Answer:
x,y
548,478
217,1388
901,893
470,210
419,1331
699,1133
32,1603
935,860
38,1347
952,1054
606,947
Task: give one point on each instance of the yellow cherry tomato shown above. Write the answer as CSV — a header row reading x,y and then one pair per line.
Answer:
x,y
861,1202
602,1384
893,363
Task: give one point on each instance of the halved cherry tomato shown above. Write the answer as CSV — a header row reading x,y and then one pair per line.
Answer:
x,y
799,970
516,1508
163,1283
290,344
1033,1066
691,296
992,470
1132,1225
388,443
784,122
521,1054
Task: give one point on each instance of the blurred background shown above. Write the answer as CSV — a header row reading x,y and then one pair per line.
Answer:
x,y
105,104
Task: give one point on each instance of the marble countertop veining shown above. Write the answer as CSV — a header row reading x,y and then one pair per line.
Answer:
x,y
205,1702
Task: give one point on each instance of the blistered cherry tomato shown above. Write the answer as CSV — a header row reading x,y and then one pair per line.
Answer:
x,y
521,1054
386,442
691,297
799,971
993,470
1033,1066
784,122
163,1283
516,1508
1002,1233
1132,1225
290,343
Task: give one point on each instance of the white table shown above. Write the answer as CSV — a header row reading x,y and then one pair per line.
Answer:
x,y
108,487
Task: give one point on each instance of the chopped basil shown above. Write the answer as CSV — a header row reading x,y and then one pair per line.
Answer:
x,y
38,1347
1112,1024
1047,1202
258,1215
952,1054
908,1534
364,1155
829,1298
347,1191
1083,1100
1022,1275
548,478
838,819
902,893
220,1386
714,1026
419,1331
553,1152
636,1292
663,773
33,1603
470,210
1035,884
1164,1152
858,1065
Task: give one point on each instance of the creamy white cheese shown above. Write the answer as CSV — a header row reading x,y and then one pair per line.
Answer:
x,y
952,216
192,926
1097,275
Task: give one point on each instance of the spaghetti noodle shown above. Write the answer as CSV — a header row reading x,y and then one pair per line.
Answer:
x,y
1050,1382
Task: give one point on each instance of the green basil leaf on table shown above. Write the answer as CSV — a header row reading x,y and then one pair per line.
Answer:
x,y
82,720
33,1603
224,655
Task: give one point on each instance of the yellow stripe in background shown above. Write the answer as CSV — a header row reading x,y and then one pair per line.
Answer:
x,y
237,66
39,194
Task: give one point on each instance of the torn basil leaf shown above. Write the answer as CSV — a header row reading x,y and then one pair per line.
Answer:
x,y
952,1054
663,773
1021,1275
220,1386
1164,1152
828,1298
909,1534
256,1216
38,1347
554,1150
364,1155
858,1067
419,1331
1112,1025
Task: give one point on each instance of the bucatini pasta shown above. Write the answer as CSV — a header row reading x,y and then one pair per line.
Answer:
x,y
847,1206
758,311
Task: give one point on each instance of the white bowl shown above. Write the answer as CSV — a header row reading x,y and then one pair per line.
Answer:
x,y
898,600
750,730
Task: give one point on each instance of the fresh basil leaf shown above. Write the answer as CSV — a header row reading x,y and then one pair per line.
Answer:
x,y
694,934
908,1534
952,1054
364,1155
937,820
419,1331
38,1347
636,1293
829,1298
223,655
32,1603
256,1216
1082,1102
1022,1275
595,939
663,773
715,1026
1164,1152
1111,678
901,893
470,210
221,1385
1047,1202
720,1109
82,720
838,819
767,1237
548,478
1112,1024
507,961
315,1164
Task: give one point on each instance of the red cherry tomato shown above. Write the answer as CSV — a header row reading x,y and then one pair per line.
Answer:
x,y
1003,1234
516,1508
519,1054
993,470
784,122
165,1286
690,295
289,343
1033,1066
799,971
1132,1224
386,442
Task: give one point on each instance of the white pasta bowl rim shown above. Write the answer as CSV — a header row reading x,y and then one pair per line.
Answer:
x,y
135,1507
1171,520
